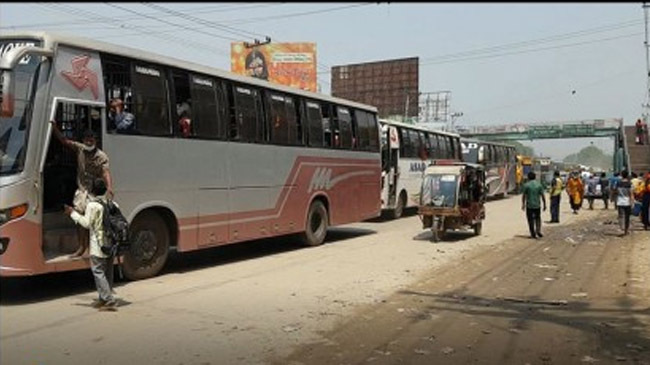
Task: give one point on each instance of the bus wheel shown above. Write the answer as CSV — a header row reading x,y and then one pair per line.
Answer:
x,y
149,247
316,225
399,209
478,227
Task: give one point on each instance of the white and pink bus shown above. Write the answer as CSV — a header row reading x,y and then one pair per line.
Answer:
x,y
260,160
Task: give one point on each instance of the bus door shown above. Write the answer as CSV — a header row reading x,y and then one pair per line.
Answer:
x,y
393,172
59,173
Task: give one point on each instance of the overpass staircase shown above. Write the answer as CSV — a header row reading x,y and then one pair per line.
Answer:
x,y
639,154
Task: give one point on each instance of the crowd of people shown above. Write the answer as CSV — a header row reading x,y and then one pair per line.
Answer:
x,y
629,192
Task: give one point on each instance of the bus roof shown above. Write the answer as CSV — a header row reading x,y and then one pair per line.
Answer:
x,y
412,126
51,40
463,139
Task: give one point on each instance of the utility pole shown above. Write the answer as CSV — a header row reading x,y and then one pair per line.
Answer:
x,y
406,106
646,106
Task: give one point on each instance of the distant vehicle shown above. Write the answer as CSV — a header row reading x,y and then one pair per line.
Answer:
x,y
500,162
260,159
406,151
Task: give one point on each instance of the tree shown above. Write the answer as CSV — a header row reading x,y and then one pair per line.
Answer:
x,y
591,156
521,149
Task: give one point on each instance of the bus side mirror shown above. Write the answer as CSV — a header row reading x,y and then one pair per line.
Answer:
x,y
7,94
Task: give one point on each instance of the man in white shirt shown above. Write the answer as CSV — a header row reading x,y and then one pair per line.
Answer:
x,y
101,264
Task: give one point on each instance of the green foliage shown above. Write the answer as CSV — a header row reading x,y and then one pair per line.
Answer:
x,y
521,149
591,156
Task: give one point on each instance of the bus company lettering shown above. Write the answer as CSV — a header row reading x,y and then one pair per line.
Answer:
x,y
321,180
147,71
4,48
417,166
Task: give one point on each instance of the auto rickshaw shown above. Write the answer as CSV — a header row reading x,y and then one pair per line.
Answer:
x,y
452,196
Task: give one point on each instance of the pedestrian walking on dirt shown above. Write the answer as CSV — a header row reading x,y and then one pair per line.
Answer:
x,y
624,202
556,194
532,194
575,189
101,264
645,203
604,188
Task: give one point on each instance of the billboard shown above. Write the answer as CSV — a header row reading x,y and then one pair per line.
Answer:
x,y
390,85
290,64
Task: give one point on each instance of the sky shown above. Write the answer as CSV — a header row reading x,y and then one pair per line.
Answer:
x,y
503,62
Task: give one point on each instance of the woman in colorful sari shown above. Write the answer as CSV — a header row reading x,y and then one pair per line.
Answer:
x,y
575,189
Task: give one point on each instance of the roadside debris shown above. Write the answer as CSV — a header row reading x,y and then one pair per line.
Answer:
x,y
447,350
579,295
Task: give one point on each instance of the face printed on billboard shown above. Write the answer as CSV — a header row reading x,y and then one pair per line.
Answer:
x,y
290,64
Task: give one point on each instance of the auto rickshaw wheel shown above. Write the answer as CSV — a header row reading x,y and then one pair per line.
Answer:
x,y
478,227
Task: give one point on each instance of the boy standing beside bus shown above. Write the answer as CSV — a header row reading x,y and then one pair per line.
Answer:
x,y
101,264
92,163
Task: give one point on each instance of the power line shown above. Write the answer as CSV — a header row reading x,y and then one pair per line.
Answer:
x,y
170,23
466,55
267,18
531,50
203,10
203,21
182,42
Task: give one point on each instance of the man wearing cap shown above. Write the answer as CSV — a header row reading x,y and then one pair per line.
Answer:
x,y
92,163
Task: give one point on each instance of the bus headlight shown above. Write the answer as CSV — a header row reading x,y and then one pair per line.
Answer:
x,y
12,213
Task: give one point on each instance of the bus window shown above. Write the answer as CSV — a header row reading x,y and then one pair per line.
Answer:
x,y
328,125
292,122
345,125
181,107
246,113
151,101
433,145
421,149
315,123
117,82
206,119
278,119
457,150
426,144
363,133
373,132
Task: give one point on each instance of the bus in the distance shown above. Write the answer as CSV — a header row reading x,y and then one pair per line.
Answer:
x,y
500,161
406,152
259,159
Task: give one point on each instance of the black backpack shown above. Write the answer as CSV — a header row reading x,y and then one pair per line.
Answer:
x,y
116,230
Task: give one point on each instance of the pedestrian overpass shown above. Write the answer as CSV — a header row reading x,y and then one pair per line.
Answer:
x,y
557,130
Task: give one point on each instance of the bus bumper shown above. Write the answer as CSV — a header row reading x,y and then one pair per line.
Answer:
x,y
21,246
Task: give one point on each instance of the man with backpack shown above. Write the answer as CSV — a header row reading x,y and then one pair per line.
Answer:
x,y
102,246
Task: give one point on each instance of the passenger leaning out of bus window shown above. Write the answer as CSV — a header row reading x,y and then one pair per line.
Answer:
x,y
184,123
121,121
92,163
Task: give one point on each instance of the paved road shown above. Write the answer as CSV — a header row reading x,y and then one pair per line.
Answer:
x,y
263,301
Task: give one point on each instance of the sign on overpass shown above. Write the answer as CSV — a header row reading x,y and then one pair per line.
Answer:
x,y
521,131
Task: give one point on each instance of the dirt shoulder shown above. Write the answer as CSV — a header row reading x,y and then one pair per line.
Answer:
x,y
581,294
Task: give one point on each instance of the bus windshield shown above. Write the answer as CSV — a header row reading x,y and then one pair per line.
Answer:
x,y
14,130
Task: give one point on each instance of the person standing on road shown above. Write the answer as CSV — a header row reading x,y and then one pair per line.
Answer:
x,y
92,163
593,186
533,192
575,189
639,131
556,194
604,188
624,202
645,203
101,264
